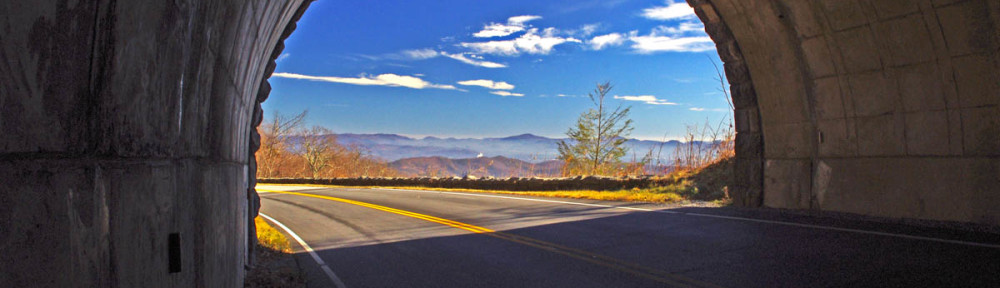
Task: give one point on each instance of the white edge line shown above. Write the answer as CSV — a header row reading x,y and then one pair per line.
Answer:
x,y
322,265
977,244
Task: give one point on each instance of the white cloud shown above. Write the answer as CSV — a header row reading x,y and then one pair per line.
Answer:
x,y
488,84
678,10
497,30
686,37
652,43
480,63
699,109
584,31
520,20
648,99
531,42
607,40
391,80
681,29
505,93
467,58
588,29
420,54
283,56
514,24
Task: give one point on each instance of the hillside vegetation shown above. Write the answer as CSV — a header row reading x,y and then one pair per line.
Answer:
x,y
287,150
699,168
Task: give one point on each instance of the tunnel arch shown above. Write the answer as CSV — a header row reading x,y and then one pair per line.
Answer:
x,y
851,96
127,123
884,108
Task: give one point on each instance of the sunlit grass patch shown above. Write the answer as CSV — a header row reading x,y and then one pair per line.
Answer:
x,y
274,265
655,195
637,195
708,183
271,238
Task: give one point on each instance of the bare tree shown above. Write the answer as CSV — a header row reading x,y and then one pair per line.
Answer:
x,y
318,147
599,136
273,143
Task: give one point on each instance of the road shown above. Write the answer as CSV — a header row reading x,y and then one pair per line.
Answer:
x,y
407,238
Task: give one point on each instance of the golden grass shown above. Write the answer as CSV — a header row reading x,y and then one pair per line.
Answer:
x,y
270,238
635,195
274,265
708,182
668,194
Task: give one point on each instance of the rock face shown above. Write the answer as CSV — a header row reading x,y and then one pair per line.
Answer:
x,y
127,125
125,139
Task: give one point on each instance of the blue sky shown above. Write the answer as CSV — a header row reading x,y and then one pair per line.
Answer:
x,y
496,68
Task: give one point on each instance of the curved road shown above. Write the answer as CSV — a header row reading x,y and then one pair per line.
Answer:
x,y
407,238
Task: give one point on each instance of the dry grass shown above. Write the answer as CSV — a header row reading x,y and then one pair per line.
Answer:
x,y
667,194
655,195
275,266
271,238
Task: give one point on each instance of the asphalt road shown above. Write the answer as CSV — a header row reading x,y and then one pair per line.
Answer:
x,y
406,238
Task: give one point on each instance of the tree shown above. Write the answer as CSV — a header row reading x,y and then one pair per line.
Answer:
x,y
598,138
318,147
272,156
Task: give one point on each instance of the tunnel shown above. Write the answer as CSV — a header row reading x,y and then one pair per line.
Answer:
x,y
129,127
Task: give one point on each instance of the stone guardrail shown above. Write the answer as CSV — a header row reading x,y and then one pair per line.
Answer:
x,y
505,184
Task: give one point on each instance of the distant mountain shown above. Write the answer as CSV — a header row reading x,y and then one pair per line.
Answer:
x,y
524,147
524,137
480,167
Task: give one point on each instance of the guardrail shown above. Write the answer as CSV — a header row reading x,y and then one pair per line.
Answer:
x,y
506,184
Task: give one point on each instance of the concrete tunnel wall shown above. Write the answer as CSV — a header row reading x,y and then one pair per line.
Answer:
x,y
127,121
124,122
877,107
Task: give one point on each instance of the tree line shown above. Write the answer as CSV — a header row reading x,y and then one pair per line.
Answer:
x,y
596,146
596,143
290,150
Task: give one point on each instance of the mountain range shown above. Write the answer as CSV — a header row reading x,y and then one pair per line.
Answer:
x,y
498,166
525,147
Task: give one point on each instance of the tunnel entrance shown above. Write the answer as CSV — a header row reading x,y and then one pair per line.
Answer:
x,y
659,64
844,106
128,122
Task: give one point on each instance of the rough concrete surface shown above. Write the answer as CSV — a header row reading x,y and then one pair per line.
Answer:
x,y
125,122
891,105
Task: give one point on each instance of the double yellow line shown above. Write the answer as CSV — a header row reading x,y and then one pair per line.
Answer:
x,y
456,224
645,272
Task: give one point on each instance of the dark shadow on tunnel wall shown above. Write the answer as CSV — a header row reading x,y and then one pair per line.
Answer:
x,y
253,199
748,186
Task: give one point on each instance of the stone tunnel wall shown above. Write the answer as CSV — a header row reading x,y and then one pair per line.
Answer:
x,y
877,107
123,123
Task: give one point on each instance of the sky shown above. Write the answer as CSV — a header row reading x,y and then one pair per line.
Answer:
x,y
473,69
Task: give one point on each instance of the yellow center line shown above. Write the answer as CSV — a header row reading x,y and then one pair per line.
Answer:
x,y
605,261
